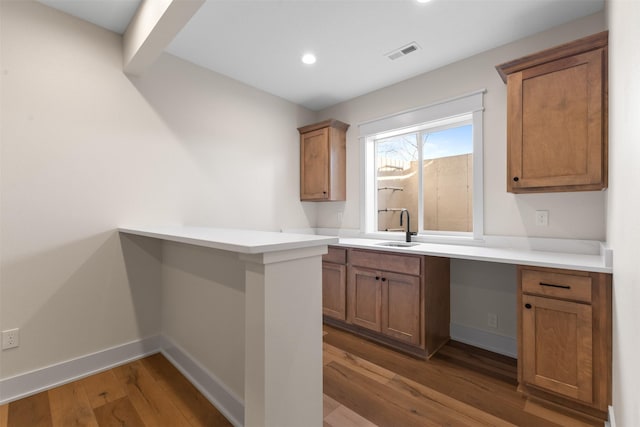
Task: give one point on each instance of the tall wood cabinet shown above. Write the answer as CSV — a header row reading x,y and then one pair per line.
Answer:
x,y
564,342
557,118
323,161
397,299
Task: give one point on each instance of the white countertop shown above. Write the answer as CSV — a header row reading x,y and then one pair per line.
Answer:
x,y
234,240
564,260
255,242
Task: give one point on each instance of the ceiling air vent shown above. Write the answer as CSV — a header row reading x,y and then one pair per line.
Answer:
x,y
404,50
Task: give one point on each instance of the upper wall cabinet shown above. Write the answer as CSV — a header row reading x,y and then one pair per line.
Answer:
x,y
323,161
557,118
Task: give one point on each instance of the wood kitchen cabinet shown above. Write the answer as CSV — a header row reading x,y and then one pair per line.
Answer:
x,y
396,299
564,344
557,118
365,298
323,161
334,283
401,304
385,302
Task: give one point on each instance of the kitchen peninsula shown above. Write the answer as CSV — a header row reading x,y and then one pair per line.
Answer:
x,y
282,316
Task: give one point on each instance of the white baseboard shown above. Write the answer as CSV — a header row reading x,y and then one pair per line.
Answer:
x,y
612,419
225,400
33,382
30,383
478,338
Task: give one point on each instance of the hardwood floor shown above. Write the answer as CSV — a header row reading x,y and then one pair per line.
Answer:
x,y
148,392
366,384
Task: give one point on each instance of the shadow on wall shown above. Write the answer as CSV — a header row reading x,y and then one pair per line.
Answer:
x,y
232,143
79,298
221,267
203,295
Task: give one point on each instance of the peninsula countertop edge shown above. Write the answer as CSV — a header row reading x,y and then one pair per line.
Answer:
x,y
230,239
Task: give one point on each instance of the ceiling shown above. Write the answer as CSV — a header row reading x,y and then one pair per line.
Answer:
x,y
261,42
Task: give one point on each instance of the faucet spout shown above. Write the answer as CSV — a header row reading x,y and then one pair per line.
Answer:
x,y
408,232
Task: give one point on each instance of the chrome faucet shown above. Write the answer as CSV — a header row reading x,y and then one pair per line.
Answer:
x,y
408,233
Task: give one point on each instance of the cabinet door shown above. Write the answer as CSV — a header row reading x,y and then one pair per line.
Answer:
x,y
556,125
557,346
314,165
401,307
334,290
365,297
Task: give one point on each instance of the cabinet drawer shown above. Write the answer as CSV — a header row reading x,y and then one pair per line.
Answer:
x,y
385,261
336,255
557,285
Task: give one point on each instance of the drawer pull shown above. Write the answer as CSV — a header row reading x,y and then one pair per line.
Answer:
x,y
555,286
384,279
527,306
377,277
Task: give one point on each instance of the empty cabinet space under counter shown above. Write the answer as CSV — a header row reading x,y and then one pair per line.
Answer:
x,y
400,300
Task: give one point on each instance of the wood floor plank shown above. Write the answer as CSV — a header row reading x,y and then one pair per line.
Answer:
x,y
32,411
118,413
375,372
70,407
193,405
497,366
411,388
328,405
379,404
145,393
345,417
155,407
102,388
456,374
564,420
4,415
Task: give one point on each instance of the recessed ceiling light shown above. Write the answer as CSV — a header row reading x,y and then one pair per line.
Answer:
x,y
309,58
423,1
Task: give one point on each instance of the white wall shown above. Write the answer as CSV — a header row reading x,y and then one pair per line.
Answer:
x,y
477,289
204,310
578,215
624,204
85,149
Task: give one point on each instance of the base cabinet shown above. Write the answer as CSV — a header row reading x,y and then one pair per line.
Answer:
x,y
365,299
396,299
565,337
334,284
334,288
401,307
385,302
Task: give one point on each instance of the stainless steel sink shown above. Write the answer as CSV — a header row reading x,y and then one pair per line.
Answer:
x,y
398,244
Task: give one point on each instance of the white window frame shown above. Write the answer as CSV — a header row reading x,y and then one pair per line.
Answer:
x,y
429,117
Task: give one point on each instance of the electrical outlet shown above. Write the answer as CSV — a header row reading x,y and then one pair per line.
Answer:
x,y
492,320
542,218
10,338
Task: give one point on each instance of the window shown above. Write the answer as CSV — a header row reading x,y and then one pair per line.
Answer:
x,y
429,162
